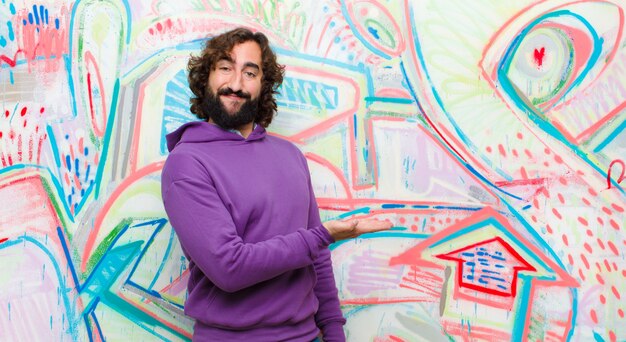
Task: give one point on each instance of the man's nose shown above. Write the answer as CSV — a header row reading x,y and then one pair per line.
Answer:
x,y
235,81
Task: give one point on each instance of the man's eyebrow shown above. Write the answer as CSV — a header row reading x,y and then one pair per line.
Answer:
x,y
226,59
252,65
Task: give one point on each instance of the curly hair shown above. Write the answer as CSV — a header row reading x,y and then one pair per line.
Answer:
x,y
219,47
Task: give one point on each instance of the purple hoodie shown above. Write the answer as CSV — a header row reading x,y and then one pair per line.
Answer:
x,y
246,218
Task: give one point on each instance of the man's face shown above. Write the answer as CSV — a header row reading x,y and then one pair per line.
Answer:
x,y
234,87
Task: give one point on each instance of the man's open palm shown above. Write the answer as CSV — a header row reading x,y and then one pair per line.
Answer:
x,y
341,230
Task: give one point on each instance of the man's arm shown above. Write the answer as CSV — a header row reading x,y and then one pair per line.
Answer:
x,y
208,235
329,318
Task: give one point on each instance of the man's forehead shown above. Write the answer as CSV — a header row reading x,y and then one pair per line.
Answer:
x,y
248,57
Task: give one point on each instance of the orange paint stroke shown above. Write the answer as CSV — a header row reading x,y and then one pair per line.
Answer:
x,y
332,168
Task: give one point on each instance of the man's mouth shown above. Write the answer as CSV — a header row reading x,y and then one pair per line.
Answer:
x,y
233,94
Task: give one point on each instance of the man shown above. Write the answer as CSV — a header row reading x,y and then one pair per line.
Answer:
x,y
243,208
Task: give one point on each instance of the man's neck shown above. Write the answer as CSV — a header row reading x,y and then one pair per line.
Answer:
x,y
244,130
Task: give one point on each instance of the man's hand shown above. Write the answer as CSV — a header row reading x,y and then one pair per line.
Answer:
x,y
341,230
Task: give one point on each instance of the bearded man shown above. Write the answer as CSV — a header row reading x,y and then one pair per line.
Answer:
x,y
243,208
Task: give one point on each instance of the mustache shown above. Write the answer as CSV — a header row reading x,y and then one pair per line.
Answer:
x,y
238,93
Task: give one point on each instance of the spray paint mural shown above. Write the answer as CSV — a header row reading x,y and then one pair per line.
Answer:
x,y
491,133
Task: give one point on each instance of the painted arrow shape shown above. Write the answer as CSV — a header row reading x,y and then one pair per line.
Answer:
x,y
489,266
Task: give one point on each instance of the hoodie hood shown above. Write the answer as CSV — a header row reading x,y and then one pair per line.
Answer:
x,y
202,131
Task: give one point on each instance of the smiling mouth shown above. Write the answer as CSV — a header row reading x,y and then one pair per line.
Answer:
x,y
233,96
230,93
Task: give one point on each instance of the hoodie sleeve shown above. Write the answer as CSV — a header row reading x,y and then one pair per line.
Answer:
x,y
329,318
208,235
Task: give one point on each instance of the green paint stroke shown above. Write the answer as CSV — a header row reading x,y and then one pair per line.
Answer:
x,y
103,247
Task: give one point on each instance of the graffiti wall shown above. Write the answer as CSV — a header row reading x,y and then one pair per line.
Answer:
x,y
491,133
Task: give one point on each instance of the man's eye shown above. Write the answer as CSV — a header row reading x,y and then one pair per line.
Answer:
x,y
224,69
250,74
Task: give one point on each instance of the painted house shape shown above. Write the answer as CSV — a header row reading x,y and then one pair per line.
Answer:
x,y
490,266
492,272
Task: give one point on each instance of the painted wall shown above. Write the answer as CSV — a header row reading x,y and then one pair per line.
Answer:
x,y
490,132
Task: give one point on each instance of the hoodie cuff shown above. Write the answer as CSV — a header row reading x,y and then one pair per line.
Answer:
x,y
328,239
333,332
317,239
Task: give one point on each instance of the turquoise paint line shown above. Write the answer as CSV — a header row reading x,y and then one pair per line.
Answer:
x,y
137,316
107,136
12,168
357,309
598,337
367,71
13,112
522,308
466,230
55,180
386,234
70,79
388,100
53,145
357,68
542,243
11,35
613,135
420,57
62,197
364,210
128,21
85,196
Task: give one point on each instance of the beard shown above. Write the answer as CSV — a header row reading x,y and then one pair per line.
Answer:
x,y
214,109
